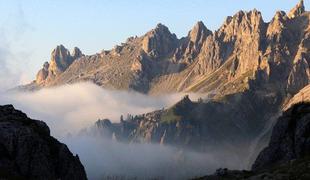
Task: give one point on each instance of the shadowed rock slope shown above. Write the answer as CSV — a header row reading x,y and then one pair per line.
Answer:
x,y
288,154
203,126
27,151
290,138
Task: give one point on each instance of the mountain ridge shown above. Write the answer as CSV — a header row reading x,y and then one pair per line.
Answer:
x,y
226,61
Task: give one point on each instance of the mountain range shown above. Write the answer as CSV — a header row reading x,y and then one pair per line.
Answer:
x,y
244,53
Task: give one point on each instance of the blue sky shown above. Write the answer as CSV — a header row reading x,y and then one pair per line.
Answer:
x,y
30,29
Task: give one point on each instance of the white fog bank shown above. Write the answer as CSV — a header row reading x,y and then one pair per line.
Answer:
x,y
71,108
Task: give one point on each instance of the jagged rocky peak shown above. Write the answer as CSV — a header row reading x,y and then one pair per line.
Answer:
x,y
77,53
191,45
161,29
297,10
277,24
242,23
241,37
197,37
159,42
60,59
199,32
43,73
280,16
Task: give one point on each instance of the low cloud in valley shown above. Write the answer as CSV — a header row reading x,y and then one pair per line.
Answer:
x,y
72,108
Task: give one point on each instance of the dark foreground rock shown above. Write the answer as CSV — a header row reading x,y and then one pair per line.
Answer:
x,y
27,151
288,154
290,138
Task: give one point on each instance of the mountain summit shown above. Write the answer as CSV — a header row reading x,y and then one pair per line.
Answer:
x,y
297,10
61,59
159,42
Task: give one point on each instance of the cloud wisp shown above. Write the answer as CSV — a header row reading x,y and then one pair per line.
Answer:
x,y
70,108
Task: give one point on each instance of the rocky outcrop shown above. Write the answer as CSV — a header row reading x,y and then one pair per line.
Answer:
x,y
61,59
29,152
297,10
299,77
238,42
191,45
197,37
159,42
43,73
290,138
76,53
302,96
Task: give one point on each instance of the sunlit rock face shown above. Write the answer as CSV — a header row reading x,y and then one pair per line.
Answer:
x,y
159,42
61,59
244,53
297,10
43,73
191,45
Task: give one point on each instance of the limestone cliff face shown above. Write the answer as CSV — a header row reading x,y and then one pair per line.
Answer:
x,y
29,152
244,32
299,75
246,49
246,53
238,39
